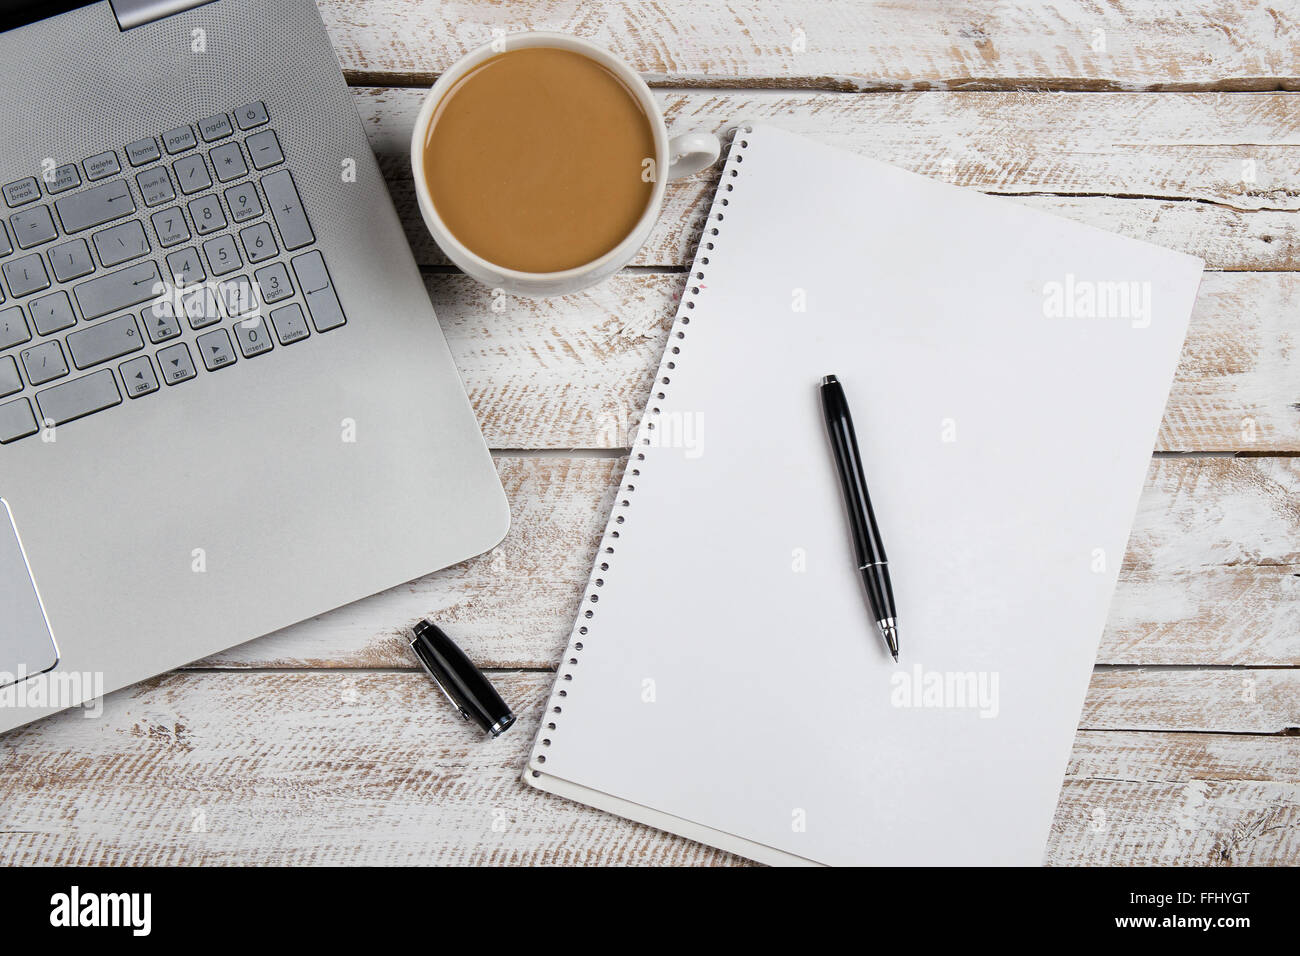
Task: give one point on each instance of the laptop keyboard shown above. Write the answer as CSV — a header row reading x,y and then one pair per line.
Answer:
x,y
108,264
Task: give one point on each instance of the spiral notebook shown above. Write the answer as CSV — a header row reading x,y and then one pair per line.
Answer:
x,y
1007,372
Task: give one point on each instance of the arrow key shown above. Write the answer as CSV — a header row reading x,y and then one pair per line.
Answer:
x,y
216,350
138,377
176,364
160,322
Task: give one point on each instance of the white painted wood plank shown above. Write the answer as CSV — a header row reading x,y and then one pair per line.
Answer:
x,y
1117,823
1191,155
1142,44
575,372
1238,700
1139,757
318,768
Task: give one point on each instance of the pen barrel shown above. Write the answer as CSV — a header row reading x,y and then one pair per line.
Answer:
x,y
879,590
848,462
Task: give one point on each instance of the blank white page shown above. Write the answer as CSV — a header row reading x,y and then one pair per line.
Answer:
x,y
731,674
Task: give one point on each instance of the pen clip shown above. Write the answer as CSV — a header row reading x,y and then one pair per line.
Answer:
x,y
460,708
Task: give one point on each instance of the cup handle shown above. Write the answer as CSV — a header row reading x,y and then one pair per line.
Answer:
x,y
692,152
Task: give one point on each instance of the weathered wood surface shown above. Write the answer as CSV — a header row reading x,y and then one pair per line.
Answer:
x,y
1213,175
1210,576
575,372
319,767
323,744
853,45
1139,799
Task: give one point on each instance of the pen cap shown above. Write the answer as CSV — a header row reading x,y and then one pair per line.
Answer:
x,y
464,684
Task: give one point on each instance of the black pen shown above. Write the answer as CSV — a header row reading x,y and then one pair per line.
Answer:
x,y
872,562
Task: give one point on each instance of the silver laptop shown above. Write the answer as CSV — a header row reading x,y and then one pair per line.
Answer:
x,y
225,402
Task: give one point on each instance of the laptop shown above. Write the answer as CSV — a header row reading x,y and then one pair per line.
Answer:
x,y
226,405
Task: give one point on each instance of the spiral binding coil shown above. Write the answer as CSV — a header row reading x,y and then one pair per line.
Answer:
x,y
736,146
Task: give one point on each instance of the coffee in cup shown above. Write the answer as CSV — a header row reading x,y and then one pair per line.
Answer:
x,y
540,160
540,163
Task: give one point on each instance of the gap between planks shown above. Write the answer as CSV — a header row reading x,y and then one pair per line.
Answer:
x,y
847,87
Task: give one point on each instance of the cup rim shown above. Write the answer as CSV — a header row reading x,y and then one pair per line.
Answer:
x,y
626,248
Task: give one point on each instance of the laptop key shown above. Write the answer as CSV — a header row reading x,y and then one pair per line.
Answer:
x,y
155,186
290,324
95,206
322,302
21,192
142,151
273,283
16,421
179,139
201,307
52,313
192,174
107,340
59,179
326,314
71,260
243,202
33,227
264,149
13,328
160,322
222,255
207,215
215,127
216,350
238,296
118,291
10,380
5,247
62,178
170,226
121,243
79,398
101,165
259,242
44,363
252,336
185,267
138,377
26,275
228,162
286,209
254,114
176,364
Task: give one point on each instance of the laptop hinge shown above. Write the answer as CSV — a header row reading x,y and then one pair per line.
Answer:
x,y
134,13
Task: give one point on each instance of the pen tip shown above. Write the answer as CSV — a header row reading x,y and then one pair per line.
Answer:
x,y
895,658
829,380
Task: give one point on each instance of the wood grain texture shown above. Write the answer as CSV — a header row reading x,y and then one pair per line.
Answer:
x,y
1238,700
575,372
349,757
1183,162
959,44
1210,576
318,768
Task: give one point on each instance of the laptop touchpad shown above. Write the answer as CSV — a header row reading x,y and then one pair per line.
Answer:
x,y
26,644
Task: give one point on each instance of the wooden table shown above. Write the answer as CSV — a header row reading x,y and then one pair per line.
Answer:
x,y
1157,119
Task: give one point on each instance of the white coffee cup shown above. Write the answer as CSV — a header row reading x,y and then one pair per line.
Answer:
x,y
680,156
